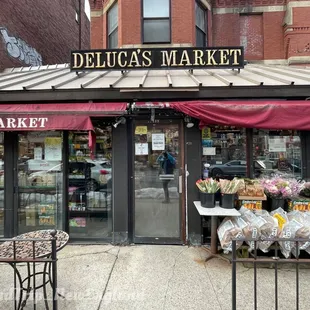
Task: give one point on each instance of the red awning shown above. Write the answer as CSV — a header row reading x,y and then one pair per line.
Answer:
x,y
55,116
265,114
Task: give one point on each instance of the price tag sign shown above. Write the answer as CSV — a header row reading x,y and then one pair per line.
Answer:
x,y
141,130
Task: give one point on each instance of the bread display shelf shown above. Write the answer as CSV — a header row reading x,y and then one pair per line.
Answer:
x,y
252,197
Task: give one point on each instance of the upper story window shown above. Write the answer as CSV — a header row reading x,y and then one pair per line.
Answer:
x,y
156,21
113,26
201,26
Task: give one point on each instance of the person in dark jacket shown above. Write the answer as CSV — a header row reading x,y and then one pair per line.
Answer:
x,y
167,164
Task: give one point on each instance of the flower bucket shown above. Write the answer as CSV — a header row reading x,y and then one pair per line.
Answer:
x,y
228,201
277,203
207,200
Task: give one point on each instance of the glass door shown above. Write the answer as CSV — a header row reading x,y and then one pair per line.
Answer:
x,y
158,182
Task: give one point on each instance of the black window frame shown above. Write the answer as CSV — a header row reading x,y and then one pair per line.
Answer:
x,y
197,28
109,33
155,18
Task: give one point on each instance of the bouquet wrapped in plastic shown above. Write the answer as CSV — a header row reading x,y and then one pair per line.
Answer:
x,y
231,186
209,185
227,231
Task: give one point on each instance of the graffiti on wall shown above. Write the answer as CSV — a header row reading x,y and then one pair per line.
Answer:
x,y
19,49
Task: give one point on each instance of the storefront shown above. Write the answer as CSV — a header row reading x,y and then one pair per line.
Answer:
x,y
105,181
56,168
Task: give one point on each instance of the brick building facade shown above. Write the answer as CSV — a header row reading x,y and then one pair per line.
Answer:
x,y
41,32
276,31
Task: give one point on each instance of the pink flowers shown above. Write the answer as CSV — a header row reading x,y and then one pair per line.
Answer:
x,y
278,187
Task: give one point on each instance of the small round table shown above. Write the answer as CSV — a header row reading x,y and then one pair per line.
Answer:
x,y
37,245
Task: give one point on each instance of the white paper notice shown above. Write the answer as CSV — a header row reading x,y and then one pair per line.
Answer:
x,y
277,145
37,153
158,141
142,149
208,150
52,148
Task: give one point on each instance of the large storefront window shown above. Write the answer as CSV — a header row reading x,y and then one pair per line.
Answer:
x,y
90,184
279,151
224,149
39,175
274,152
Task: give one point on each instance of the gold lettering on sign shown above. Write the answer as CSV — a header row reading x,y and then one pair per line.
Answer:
x,y
185,58
78,60
235,53
134,59
121,61
147,62
198,55
223,57
89,60
99,65
210,58
169,58
111,62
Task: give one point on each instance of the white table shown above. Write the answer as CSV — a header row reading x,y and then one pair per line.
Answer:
x,y
214,213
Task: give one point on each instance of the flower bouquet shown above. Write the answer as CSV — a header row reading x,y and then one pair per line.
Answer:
x,y
207,188
229,188
280,189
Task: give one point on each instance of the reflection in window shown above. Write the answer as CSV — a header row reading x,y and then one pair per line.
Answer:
x,y
201,26
39,181
280,152
224,149
113,26
156,21
90,184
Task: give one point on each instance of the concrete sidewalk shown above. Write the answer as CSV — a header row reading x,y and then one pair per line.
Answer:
x,y
145,277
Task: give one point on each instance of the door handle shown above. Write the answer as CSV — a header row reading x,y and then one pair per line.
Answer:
x,y
180,184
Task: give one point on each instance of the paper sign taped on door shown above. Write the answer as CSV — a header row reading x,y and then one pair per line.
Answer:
x,y
158,141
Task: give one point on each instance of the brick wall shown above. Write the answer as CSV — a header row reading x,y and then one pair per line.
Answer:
x,y
183,22
259,23
34,28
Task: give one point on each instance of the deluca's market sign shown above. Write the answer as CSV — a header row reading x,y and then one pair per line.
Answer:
x,y
158,58
22,122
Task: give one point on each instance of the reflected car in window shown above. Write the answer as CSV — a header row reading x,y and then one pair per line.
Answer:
x,y
235,168
91,175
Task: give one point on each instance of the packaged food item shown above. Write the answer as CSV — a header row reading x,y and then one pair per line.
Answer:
x,y
253,228
301,233
227,231
269,230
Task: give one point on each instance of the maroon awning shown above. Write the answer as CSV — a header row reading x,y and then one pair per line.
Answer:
x,y
55,116
265,114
